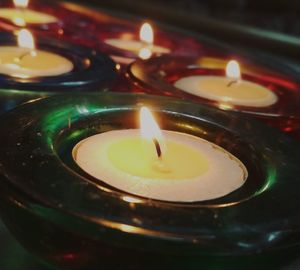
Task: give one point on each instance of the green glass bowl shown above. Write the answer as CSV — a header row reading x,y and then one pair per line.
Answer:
x,y
68,217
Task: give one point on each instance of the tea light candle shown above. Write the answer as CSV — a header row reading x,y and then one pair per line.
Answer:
x,y
167,165
26,62
20,15
231,90
144,47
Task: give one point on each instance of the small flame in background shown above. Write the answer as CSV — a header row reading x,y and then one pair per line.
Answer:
x,y
146,33
146,36
21,3
25,39
145,53
19,21
233,70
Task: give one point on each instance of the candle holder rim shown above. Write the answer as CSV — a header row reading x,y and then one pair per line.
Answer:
x,y
149,83
100,72
160,102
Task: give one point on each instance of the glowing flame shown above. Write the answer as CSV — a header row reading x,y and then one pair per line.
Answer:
x,y
146,33
233,70
19,21
145,53
21,3
149,127
25,39
151,131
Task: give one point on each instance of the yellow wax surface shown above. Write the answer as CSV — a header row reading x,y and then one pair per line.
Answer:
x,y
243,93
138,157
42,64
26,15
135,45
192,169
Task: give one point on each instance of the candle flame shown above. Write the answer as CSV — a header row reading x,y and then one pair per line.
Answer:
x,y
233,70
25,39
151,131
21,3
19,21
145,53
146,33
149,127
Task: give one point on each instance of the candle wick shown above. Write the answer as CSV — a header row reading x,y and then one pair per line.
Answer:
x,y
23,55
157,147
31,52
232,82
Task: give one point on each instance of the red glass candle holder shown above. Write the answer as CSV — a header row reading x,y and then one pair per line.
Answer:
x,y
45,7
177,43
158,75
83,26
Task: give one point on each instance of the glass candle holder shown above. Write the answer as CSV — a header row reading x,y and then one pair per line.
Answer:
x,y
93,29
75,24
75,220
91,71
101,27
158,76
177,43
38,15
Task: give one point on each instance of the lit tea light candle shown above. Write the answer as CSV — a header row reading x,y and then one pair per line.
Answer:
x,y
26,62
21,15
144,48
231,90
162,165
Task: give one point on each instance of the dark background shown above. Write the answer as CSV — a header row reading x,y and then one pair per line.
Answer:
x,y
271,26
277,15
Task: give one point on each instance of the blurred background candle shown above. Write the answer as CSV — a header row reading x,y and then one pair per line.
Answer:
x,y
21,15
163,165
144,47
24,61
232,89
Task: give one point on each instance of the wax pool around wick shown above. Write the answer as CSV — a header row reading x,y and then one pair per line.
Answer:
x,y
196,169
233,91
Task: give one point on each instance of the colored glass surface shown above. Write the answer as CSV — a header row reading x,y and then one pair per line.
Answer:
x,y
83,26
76,214
158,75
92,71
